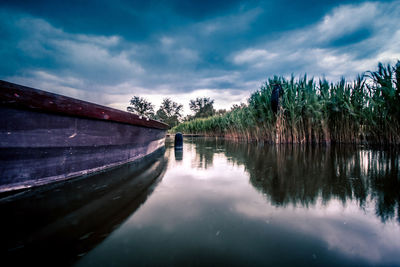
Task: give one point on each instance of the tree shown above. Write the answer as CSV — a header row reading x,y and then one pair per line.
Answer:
x,y
141,107
202,107
220,112
236,106
169,112
187,118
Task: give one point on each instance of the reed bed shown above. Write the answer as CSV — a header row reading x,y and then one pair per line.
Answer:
x,y
366,110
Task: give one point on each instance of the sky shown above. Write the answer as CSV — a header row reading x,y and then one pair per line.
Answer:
x,y
108,51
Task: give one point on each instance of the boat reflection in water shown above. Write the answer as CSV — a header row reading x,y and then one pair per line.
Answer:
x,y
58,223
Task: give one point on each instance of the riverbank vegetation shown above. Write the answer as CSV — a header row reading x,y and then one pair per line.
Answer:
x,y
366,110
169,111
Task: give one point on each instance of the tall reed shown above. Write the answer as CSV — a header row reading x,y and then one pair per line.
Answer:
x,y
366,110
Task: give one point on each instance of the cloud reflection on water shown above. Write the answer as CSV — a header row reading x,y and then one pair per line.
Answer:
x,y
346,197
240,204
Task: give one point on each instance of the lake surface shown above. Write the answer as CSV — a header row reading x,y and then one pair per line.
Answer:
x,y
221,203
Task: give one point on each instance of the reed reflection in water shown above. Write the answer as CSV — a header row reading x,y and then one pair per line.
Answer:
x,y
226,203
302,175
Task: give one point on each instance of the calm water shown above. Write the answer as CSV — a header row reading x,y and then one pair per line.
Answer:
x,y
219,203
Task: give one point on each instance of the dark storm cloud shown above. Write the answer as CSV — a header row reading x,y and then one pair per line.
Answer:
x,y
134,20
182,48
352,38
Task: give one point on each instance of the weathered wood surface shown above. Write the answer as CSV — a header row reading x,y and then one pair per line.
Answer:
x,y
40,142
18,96
27,129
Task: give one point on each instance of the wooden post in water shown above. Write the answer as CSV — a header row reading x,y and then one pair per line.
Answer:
x,y
178,141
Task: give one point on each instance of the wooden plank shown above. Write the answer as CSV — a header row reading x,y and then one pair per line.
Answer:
x,y
39,148
26,129
22,97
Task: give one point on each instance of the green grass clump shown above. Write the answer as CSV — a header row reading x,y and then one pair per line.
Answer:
x,y
366,110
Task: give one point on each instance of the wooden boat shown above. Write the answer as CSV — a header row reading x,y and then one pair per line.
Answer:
x,y
45,137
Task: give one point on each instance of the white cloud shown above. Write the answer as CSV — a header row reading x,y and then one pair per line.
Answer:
x,y
45,76
335,226
103,41
346,19
90,56
166,41
54,84
92,59
308,50
209,82
187,54
257,57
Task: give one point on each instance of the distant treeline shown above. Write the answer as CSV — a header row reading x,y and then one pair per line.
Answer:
x,y
366,110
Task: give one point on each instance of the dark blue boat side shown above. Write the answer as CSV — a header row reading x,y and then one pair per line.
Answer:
x,y
46,137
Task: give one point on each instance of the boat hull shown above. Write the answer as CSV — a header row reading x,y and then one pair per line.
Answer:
x,y
38,146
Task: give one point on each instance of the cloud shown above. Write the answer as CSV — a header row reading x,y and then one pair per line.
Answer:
x,y
96,62
345,20
329,226
178,49
91,59
345,42
228,24
257,57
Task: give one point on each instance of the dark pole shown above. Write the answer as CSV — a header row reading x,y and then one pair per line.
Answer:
x,y
276,93
178,141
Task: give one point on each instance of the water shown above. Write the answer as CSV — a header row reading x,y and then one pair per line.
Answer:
x,y
220,203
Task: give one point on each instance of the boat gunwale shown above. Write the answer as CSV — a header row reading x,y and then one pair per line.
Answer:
x,y
23,97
